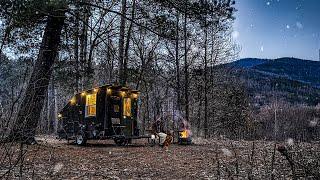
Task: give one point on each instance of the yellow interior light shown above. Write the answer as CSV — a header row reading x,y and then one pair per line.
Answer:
x,y
126,107
73,100
59,115
83,93
95,90
122,93
109,91
91,100
134,95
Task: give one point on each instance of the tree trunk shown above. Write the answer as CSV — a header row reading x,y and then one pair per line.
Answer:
x,y
121,41
89,71
76,48
55,107
126,52
109,60
24,128
178,64
52,108
205,82
83,47
213,60
186,73
199,110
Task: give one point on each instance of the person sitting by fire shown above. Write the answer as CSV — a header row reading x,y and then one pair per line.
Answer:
x,y
155,129
165,139
157,126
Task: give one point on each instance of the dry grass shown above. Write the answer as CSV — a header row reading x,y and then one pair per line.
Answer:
x,y
206,159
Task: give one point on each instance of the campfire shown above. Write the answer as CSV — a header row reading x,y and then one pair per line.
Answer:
x,y
184,134
185,137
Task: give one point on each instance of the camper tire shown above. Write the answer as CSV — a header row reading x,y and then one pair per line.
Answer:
x,y
81,139
121,141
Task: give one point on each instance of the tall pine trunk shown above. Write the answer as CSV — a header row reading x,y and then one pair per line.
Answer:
x,y
52,111
126,51
178,64
186,73
83,47
24,128
76,48
205,81
121,41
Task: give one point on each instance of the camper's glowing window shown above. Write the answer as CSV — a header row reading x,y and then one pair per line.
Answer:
x,y
91,100
127,107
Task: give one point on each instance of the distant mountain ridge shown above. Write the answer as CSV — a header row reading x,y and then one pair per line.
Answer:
x,y
248,62
305,71
294,80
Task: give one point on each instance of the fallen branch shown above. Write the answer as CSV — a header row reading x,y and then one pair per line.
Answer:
x,y
284,152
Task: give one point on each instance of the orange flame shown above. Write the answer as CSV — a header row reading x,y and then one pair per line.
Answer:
x,y
184,134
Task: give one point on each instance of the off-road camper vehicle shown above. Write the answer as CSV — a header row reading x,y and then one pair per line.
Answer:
x,y
106,112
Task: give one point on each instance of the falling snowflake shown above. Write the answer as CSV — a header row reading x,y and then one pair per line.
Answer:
x,y
290,142
57,167
261,48
268,3
298,7
288,26
313,123
235,34
299,25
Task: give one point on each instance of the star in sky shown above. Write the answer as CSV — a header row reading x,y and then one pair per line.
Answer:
x,y
286,28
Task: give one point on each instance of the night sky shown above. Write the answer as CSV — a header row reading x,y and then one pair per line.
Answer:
x,y
278,28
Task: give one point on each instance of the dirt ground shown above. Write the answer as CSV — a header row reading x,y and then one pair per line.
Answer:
x,y
205,159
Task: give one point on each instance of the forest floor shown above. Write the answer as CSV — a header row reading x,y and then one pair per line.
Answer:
x,y
205,159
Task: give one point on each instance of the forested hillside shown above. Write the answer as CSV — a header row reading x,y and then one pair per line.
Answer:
x,y
283,95
287,79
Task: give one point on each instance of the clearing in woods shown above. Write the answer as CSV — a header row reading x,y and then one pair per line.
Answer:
x,y
205,159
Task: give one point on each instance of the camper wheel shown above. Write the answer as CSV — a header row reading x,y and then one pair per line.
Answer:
x,y
122,141
81,139
119,141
